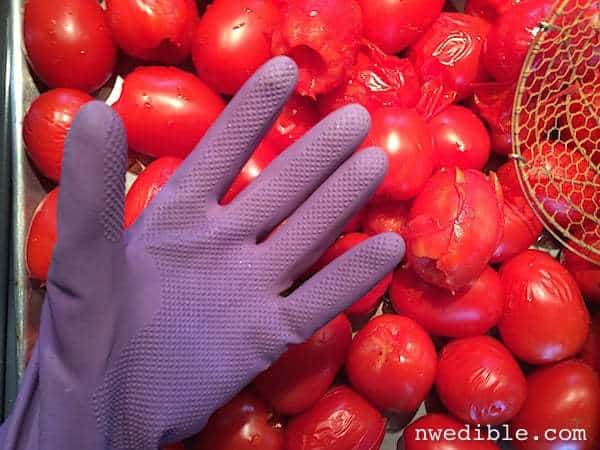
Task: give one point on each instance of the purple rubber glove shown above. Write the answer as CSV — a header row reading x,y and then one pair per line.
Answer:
x,y
146,332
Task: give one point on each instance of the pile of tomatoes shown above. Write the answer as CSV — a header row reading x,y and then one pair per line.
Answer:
x,y
475,324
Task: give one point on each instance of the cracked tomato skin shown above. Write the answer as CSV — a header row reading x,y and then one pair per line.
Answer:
x,y
404,136
42,236
302,375
299,115
147,185
591,350
392,362
455,226
386,216
46,124
545,319
340,420
232,40
322,37
153,30
586,274
469,312
166,110
376,80
479,381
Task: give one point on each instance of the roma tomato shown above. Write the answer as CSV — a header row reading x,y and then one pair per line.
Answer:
x,y
298,116
369,302
322,37
232,40
386,216
489,10
392,362
69,43
455,226
395,24
41,237
166,110
591,349
460,139
302,375
405,138
545,319
147,185
564,396
46,125
341,420
245,423
154,30
586,274
470,311
479,381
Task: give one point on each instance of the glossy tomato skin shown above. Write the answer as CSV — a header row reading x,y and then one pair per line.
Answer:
x,y
561,396
404,136
232,40
69,43
455,226
440,422
396,24
245,423
46,124
489,10
298,116
479,381
302,375
381,217
341,420
147,185
42,236
586,274
469,312
155,30
591,349
392,362
460,139
545,319
166,110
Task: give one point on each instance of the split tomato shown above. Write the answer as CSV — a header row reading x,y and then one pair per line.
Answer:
x,y
386,216
298,116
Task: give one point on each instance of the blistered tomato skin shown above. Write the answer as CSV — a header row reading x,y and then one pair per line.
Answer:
x,y
392,362
147,185
69,43
591,349
393,25
232,40
479,381
166,110
341,420
42,236
153,30
564,396
404,136
322,37
586,274
469,312
298,116
455,226
46,125
545,319
386,216
302,375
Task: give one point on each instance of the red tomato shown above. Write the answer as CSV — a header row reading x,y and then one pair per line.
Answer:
x,y
233,39
302,375
177,446
377,80
68,43
386,216
460,139
341,420
510,36
545,319
154,30
479,381
369,302
586,274
455,226
260,159
298,116
489,10
392,363
404,136
147,185
322,37
561,396
41,237
591,349
166,110
393,25
434,426
46,125
469,312
355,223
